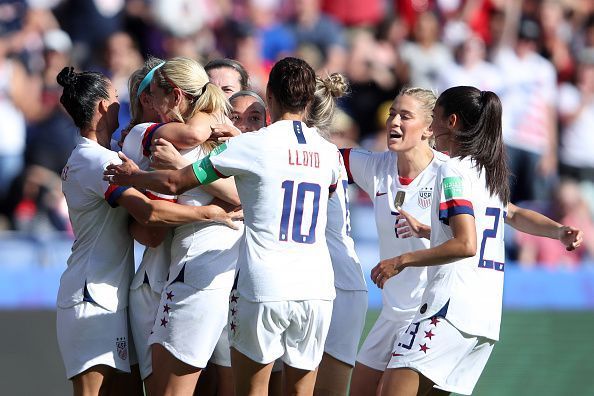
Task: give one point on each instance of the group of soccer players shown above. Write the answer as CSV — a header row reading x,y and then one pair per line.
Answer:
x,y
277,303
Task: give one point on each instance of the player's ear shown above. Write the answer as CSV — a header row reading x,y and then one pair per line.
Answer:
x,y
102,106
453,121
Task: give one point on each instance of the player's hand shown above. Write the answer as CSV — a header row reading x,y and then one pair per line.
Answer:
x,y
228,218
407,226
165,156
223,132
121,174
385,270
123,135
571,237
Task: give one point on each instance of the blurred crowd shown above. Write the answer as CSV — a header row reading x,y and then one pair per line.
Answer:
x,y
537,55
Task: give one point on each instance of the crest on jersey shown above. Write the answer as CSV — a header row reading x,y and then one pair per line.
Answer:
x,y
122,348
425,195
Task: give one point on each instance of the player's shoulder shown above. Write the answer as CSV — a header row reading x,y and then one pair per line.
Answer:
x,y
440,158
140,129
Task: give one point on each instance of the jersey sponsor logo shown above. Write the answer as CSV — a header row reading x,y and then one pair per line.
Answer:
x,y
425,195
453,187
122,348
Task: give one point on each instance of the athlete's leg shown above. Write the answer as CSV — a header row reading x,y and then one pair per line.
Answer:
x,y
171,375
224,377
405,382
250,378
93,382
333,377
150,386
365,380
298,382
275,384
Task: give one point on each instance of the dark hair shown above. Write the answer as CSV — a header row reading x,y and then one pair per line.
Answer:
x,y
481,134
293,83
244,78
81,93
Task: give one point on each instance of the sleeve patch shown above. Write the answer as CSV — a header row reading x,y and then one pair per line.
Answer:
x,y
453,187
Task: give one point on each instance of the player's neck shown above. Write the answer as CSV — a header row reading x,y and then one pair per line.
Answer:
x,y
291,116
412,162
96,135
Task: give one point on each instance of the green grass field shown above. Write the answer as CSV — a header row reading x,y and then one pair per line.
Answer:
x,y
539,353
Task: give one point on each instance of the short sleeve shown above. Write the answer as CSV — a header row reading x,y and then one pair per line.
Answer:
x,y
93,179
358,164
234,157
455,193
337,170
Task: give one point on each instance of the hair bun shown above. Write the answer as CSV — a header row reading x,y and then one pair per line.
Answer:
x,y
336,84
67,77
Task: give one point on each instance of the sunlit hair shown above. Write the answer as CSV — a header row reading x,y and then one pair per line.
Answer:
x,y
189,76
480,136
133,83
426,99
203,96
321,113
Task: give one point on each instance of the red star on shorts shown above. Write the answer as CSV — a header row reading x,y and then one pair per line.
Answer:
x,y
424,348
434,321
170,295
166,308
233,326
234,298
429,334
164,322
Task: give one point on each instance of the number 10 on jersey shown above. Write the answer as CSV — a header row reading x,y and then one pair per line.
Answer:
x,y
296,208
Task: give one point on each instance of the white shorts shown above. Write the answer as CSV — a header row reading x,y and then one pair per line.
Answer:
x,y
221,355
435,348
292,330
143,304
90,335
189,322
348,319
376,350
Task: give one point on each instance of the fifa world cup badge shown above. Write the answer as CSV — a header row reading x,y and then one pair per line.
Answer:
x,y
122,348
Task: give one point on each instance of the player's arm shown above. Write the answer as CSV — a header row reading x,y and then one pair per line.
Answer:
x,y
162,213
461,245
173,182
147,236
186,135
534,223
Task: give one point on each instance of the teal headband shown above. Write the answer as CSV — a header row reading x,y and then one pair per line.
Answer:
x,y
147,79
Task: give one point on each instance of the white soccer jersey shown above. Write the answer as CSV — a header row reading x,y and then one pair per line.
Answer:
x,y
102,255
205,251
283,174
155,261
348,274
377,175
472,287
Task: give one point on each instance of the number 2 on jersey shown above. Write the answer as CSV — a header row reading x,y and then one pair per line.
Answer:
x,y
490,233
297,209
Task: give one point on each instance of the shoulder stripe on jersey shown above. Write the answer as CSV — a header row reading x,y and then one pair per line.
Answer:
x,y
299,132
113,193
160,197
454,207
147,139
346,153
332,187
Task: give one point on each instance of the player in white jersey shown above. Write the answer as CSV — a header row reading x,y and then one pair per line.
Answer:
x,y
285,287
455,328
203,255
93,295
408,167
350,304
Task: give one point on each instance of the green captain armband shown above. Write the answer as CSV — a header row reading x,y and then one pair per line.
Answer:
x,y
205,171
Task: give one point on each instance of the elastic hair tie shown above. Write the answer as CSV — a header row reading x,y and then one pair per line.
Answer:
x,y
147,79
204,88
